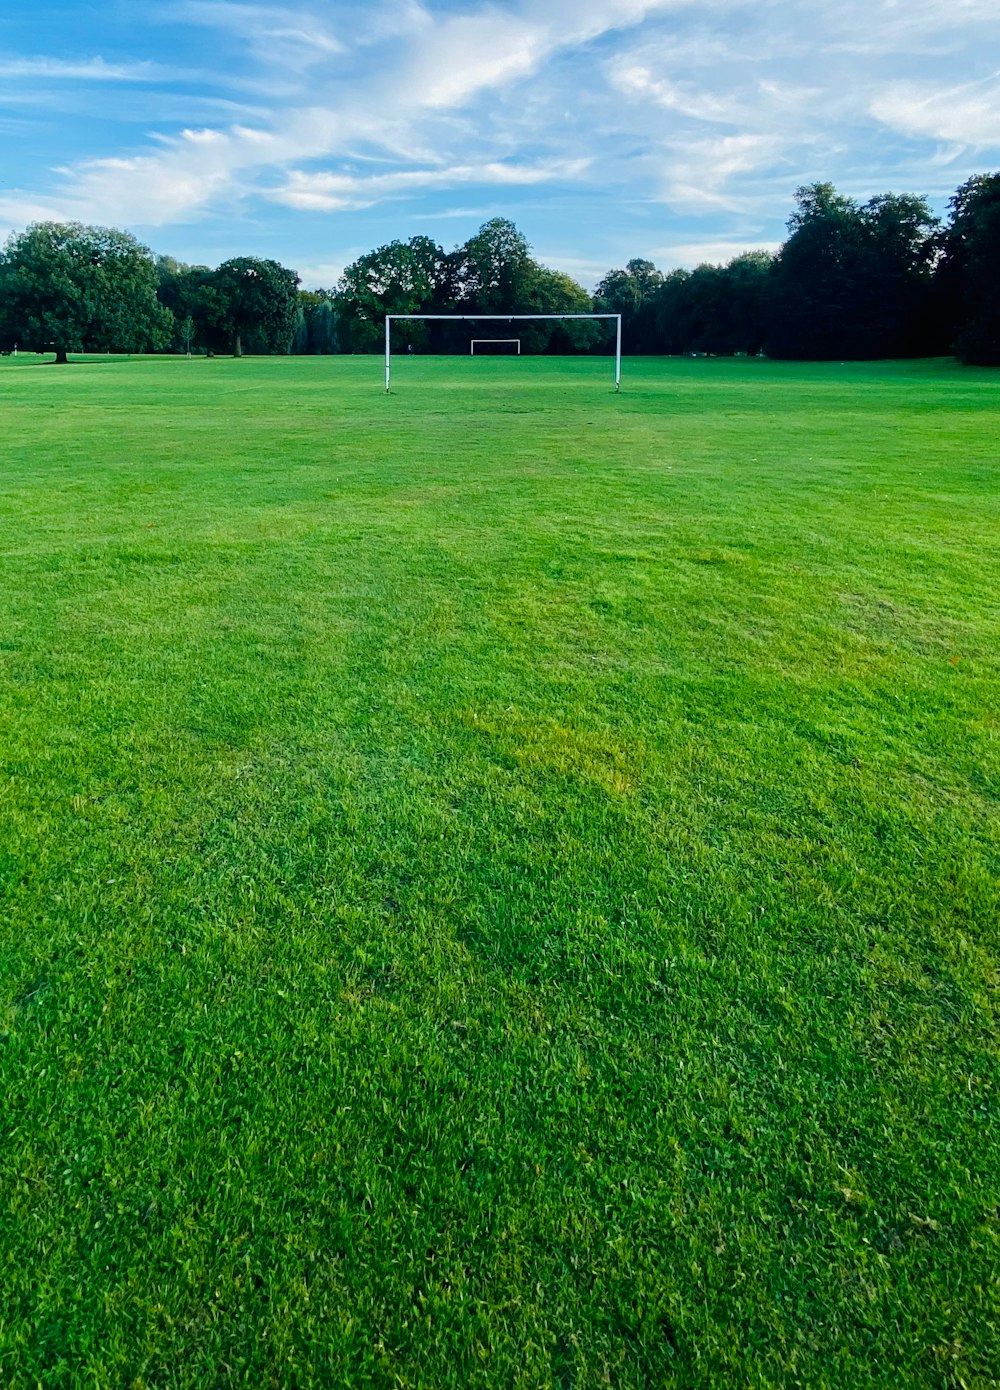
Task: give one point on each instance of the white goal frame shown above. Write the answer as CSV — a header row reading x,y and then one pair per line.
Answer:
x,y
496,318
472,345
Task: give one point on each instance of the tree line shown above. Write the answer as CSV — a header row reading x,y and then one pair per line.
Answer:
x,y
875,279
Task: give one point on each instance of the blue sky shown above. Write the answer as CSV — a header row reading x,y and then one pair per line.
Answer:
x,y
606,129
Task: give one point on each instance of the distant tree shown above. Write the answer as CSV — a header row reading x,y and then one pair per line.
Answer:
x,y
300,331
251,298
323,337
181,288
66,287
404,277
619,293
303,336
853,281
718,309
898,276
703,311
187,331
494,270
633,292
552,292
816,284
969,272
748,279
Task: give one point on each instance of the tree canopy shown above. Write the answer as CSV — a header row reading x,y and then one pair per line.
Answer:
x,y
405,277
970,270
250,296
66,287
879,278
493,272
852,280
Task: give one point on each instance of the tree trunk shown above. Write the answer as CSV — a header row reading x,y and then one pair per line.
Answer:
x,y
61,358
238,346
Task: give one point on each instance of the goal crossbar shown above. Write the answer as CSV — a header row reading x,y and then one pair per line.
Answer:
x,y
390,319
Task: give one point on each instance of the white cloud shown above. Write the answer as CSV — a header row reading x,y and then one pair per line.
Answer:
x,y
450,61
586,270
713,112
688,254
80,70
321,275
288,37
637,80
698,173
335,192
967,115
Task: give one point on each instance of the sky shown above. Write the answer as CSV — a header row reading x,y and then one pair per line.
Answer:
x,y
606,129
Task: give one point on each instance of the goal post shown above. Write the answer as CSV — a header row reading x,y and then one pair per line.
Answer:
x,y
390,319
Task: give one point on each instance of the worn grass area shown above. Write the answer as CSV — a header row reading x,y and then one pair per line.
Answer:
x,y
499,883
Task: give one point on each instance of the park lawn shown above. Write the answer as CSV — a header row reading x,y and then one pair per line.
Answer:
x,y
499,883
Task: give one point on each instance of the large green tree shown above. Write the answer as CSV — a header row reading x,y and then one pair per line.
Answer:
x,y
969,273
717,309
251,299
633,292
66,287
853,280
404,277
181,288
495,270
553,292
492,273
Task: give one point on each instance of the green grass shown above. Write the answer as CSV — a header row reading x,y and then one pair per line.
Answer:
x,y
499,883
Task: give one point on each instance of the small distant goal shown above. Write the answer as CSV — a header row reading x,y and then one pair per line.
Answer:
x,y
616,319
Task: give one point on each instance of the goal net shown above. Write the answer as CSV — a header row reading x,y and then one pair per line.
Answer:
x,y
492,343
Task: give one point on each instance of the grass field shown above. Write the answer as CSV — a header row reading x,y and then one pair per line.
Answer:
x,y
499,883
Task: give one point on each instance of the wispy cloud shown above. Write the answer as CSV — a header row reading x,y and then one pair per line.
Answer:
x,y
335,192
596,116
688,254
278,34
323,275
967,115
637,79
452,60
80,70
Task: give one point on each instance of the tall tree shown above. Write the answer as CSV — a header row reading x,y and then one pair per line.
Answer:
x,y
315,328
853,280
404,277
323,337
66,287
748,279
552,292
668,333
254,298
897,280
969,273
187,332
495,270
815,289
633,292
181,288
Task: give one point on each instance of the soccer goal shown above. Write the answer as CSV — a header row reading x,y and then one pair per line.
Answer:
x,y
390,319
498,343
